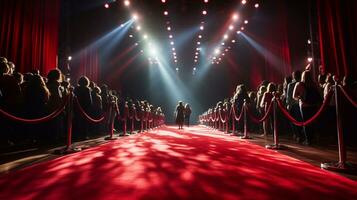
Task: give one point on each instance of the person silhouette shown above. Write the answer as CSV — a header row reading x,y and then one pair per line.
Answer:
x,y
180,114
187,114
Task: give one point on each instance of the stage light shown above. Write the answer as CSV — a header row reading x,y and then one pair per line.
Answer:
x,y
244,1
142,51
198,49
202,27
214,57
174,53
127,3
222,43
135,17
138,28
106,5
231,27
242,28
225,36
145,36
198,43
204,12
235,16
309,59
166,13
226,50
169,28
130,36
172,43
196,57
69,58
163,1
173,49
246,21
206,1
238,32
219,59
195,61
196,53
194,69
175,61
217,51
170,36
256,5
177,69
200,36
223,54
136,44
309,41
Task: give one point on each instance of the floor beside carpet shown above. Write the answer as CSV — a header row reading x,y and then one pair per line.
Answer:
x,y
168,163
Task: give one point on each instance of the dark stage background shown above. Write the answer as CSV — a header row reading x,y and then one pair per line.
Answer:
x,y
35,32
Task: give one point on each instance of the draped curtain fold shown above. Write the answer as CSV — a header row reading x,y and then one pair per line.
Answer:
x,y
29,33
337,36
87,63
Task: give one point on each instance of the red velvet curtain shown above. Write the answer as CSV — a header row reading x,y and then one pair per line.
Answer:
x,y
337,27
86,63
29,33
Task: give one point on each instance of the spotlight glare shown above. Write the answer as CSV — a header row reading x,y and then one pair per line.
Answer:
x,y
172,43
246,21
222,43
163,1
200,36
309,59
235,17
127,3
130,36
206,1
244,2
309,41
69,58
166,13
170,36
145,36
233,41
201,27
256,5
173,49
177,68
204,12
225,36
198,43
217,51
231,27
175,61
238,32
138,28
169,28
106,5
194,69
135,17
242,28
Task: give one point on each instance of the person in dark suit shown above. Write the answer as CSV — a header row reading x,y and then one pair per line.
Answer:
x,y
180,114
188,112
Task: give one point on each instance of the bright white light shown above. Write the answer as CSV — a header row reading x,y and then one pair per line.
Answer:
x,y
163,1
145,36
69,58
174,53
166,13
173,49
226,50
256,5
202,27
223,54
217,51
242,28
233,41
135,17
198,49
309,41
170,36
231,27
198,43
196,57
246,21
235,16
244,1
225,36
195,61
172,43
204,12
138,28
206,1
127,3
200,36
309,59
194,69
136,44
130,36
106,5
238,32
214,57
175,61
177,68
219,59
196,53
169,28
153,51
222,43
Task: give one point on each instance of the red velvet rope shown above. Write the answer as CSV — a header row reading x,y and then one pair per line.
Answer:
x,y
86,116
234,114
136,116
221,118
267,113
348,97
312,119
49,117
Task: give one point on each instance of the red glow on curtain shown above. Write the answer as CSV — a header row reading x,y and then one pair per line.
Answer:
x,y
87,64
337,32
29,33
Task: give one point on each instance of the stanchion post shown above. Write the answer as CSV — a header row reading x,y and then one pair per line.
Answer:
x,y
276,145
233,120
341,165
227,121
245,136
111,125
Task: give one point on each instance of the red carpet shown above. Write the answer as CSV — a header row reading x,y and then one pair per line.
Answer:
x,y
173,164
